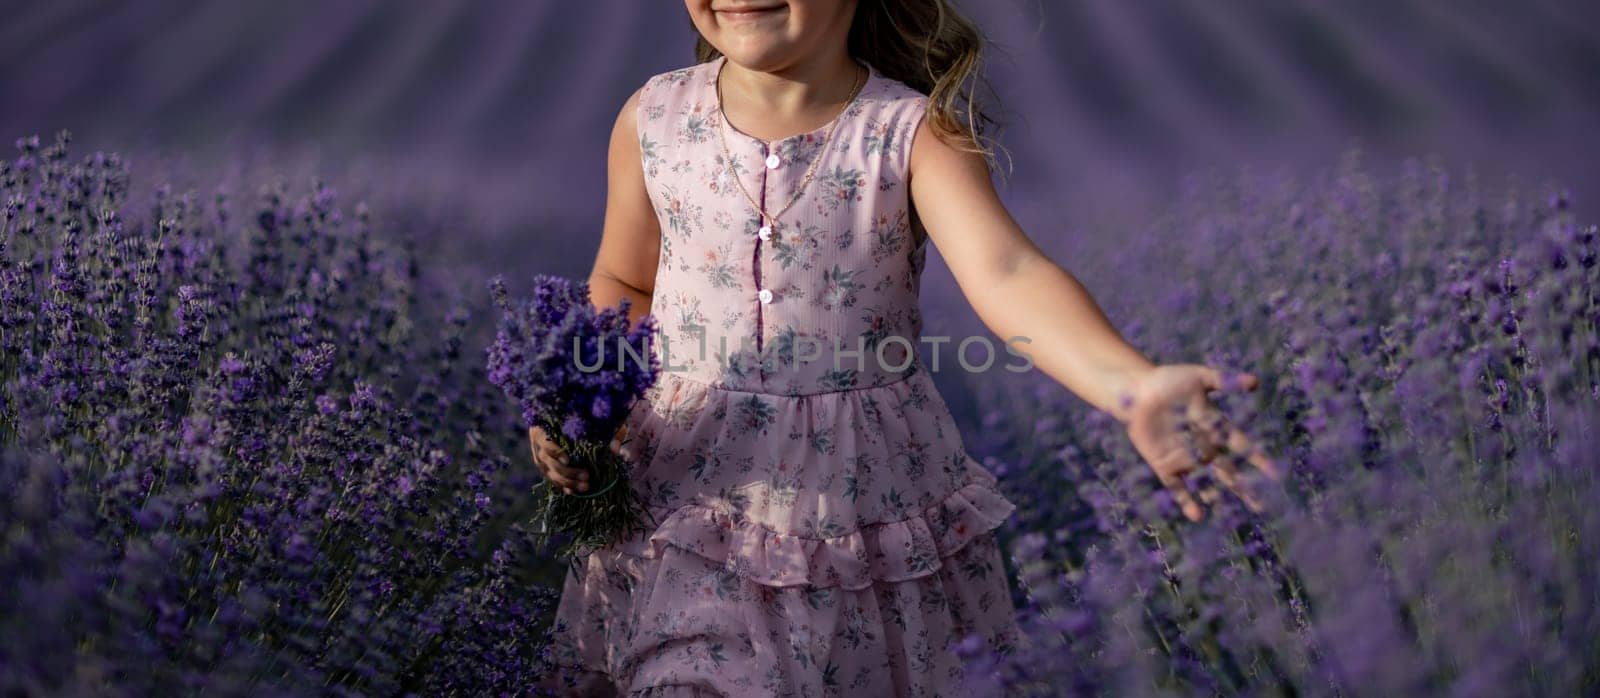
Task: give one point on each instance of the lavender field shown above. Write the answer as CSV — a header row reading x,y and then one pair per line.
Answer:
x,y
250,448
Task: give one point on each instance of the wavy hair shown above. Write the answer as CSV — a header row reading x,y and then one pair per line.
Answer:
x,y
932,48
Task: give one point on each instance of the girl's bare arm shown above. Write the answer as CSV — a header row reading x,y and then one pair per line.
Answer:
x,y
630,241
1018,291
1015,289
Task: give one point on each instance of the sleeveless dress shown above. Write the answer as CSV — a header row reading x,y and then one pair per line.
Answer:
x,y
822,531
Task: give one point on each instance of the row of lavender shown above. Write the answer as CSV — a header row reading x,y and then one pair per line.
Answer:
x,y
240,456
1431,368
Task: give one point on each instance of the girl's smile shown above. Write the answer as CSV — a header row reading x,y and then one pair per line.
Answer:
x,y
797,40
741,14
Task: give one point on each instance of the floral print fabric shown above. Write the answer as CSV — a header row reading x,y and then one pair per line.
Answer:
x,y
821,531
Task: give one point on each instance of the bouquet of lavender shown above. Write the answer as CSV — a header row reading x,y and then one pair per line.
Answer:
x,y
575,372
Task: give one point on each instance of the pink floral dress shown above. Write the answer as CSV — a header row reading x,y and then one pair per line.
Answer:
x,y
822,531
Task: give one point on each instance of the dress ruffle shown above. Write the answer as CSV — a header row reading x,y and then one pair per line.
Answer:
x,y
683,624
799,541
892,551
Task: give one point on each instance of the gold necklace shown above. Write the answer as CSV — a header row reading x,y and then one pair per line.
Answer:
x,y
769,221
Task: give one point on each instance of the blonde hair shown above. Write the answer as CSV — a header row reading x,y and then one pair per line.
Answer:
x,y
932,48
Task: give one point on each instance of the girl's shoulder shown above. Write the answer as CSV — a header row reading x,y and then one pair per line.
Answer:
x,y
677,80
891,97
889,89
667,97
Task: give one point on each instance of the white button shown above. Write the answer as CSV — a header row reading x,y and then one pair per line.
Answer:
x,y
773,162
765,233
765,295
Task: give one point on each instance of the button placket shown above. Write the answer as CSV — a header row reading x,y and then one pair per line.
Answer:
x,y
764,296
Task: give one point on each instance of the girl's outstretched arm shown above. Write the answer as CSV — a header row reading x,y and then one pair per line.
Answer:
x,y
1019,292
630,242
1016,290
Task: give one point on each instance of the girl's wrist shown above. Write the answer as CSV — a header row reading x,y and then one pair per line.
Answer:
x,y
1124,388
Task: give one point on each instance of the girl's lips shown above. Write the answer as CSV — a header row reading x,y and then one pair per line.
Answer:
x,y
752,13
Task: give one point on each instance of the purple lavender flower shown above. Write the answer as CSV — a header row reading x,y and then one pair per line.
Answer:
x,y
567,363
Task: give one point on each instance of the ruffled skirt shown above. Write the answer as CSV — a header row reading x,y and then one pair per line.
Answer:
x,y
830,544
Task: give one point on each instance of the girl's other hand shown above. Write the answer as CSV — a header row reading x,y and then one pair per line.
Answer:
x,y
555,464
1179,443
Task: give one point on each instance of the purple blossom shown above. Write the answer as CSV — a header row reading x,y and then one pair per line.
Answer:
x,y
568,364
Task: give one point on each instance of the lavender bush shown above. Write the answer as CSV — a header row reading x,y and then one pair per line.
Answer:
x,y
1429,359
234,463
575,371
243,457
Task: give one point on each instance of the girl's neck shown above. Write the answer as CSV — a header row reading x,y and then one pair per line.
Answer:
x,y
793,93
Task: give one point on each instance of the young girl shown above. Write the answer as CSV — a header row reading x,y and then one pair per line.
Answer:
x,y
821,529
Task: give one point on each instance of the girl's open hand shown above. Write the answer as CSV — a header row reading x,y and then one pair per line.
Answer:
x,y
555,464
1177,443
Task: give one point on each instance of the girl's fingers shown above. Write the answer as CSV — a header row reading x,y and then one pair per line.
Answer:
x,y
1224,466
619,443
567,484
1180,494
1212,379
561,474
1239,442
555,464
535,445
620,447
553,472
1202,428
1229,475
1178,454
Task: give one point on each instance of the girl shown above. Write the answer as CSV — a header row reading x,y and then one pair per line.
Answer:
x,y
821,529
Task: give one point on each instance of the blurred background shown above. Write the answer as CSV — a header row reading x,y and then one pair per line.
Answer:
x,y
1422,339
495,115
